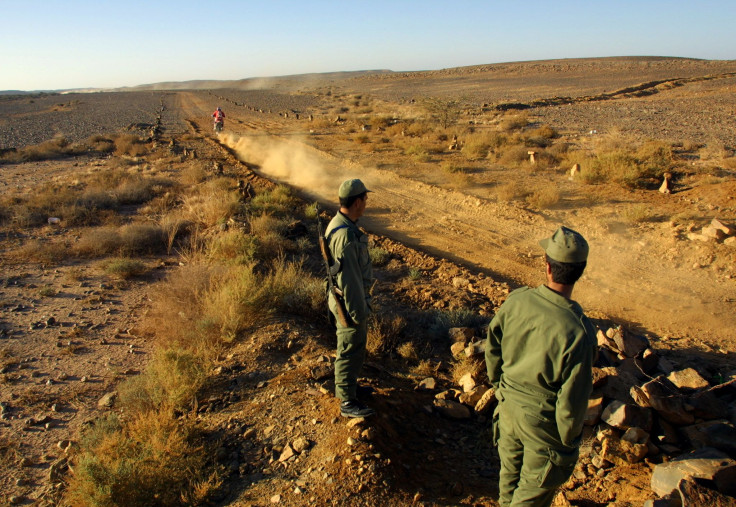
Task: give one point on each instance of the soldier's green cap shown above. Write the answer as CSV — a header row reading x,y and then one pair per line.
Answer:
x,y
349,188
566,245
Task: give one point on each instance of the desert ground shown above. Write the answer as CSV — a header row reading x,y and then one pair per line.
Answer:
x,y
454,219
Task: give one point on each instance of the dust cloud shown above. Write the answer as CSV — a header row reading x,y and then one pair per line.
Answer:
x,y
290,162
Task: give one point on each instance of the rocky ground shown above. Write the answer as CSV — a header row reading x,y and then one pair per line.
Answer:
x,y
69,333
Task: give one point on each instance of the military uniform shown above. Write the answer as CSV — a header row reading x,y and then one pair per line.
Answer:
x,y
349,246
539,357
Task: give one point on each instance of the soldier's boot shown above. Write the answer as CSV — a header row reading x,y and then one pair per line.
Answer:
x,y
353,408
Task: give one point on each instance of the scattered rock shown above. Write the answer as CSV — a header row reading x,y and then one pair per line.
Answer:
x,y
300,445
107,401
428,383
467,382
623,416
594,411
705,464
452,409
687,379
485,402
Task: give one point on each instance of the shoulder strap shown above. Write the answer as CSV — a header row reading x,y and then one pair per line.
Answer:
x,y
327,237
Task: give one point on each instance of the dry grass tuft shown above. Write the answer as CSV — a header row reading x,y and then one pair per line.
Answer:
x,y
124,268
154,455
544,198
384,333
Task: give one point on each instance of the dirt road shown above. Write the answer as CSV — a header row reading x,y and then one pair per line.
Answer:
x,y
642,278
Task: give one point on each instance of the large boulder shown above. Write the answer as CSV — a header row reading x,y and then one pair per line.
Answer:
x,y
705,464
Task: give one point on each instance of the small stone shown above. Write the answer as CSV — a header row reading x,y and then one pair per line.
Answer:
x,y
83,379
428,383
107,401
276,499
352,441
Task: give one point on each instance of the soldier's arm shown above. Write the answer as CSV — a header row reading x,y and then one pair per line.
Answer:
x,y
350,280
493,349
572,398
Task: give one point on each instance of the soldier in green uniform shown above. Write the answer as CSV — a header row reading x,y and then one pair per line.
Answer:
x,y
539,356
349,247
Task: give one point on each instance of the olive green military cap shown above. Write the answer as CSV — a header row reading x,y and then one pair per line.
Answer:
x,y
566,245
349,188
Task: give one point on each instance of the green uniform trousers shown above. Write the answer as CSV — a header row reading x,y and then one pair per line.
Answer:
x,y
351,343
534,463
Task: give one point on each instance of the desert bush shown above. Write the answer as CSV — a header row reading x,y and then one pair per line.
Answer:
x,y
153,459
362,139
124,268
169,382
408,351
48,252
618,166
514,156
514,122
384,333
451,167
133,239
211,204
130,145
441,321
311,211
233,245
193,174
269,232
654,158
418,153
244,297
415,274
637,213
425,368
379,256
278,201
544,132
544,198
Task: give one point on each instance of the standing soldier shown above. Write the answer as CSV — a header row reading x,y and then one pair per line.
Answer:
x,y
540,354
348,247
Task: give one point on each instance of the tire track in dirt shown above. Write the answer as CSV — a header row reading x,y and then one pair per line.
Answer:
x,y
500,239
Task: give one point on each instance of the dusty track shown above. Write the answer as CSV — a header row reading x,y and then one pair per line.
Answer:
x,y
629,278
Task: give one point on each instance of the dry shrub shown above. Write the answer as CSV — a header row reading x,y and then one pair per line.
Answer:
x,y
153,456
362,139
212,203
544,198
193,174
170,382
234,246
124,268
133,239
418,153
278,201
514,156
514,122
464,365
408,351
384,333
637,213
176,313
244,297
46,252
269,232
130,145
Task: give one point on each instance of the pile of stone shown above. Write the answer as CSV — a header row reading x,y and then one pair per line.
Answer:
x,y
642,407
645,407
717,231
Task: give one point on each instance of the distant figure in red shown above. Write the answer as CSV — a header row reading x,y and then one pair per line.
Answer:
x,y
219,117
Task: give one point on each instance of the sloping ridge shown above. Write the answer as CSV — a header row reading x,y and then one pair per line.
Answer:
x,y
638,90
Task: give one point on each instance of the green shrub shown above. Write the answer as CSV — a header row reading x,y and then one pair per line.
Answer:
x,y
379,256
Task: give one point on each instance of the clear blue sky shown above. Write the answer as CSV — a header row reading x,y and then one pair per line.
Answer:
x,y
97,43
